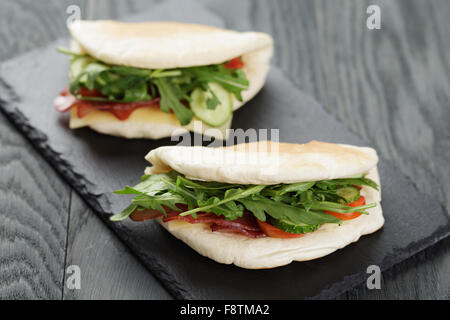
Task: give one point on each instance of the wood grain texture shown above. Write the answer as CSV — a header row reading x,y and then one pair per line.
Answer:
x,y
424,276
35,201
390,85
108,269
34,209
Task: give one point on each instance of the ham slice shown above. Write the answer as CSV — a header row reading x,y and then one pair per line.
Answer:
x,y
247,233
64,101
148,214
121,110
245,225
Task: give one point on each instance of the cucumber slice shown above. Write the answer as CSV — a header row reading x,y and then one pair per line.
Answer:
x,y
78,64
350,194
222,112
290,227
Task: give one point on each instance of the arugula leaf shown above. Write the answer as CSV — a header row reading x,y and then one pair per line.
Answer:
x,y
230,210
151,194
230,195
341,208
70,52
254,207
209,185
332,184
295,187
297,203
159,73
150,184
125,89
124,84
282,211
157,202
170,100
124,214
190,197
129,71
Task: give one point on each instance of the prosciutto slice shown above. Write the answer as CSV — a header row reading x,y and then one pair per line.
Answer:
x,y
247,233
64,101
245,225
121,110
148,214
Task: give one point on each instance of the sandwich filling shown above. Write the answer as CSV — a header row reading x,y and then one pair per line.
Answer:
x,y
255,211
204,92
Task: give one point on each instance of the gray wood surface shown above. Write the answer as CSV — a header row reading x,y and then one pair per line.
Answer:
x,y
390,85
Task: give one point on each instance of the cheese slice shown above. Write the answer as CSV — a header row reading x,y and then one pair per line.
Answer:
x,y
179,224
146,122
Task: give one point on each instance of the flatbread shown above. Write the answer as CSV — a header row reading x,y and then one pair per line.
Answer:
x,y
293,163
265,162
272,252
149,123
164,45
167,45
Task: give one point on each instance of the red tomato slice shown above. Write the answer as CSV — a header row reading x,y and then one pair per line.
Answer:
x,y
274,232
235,63
352,215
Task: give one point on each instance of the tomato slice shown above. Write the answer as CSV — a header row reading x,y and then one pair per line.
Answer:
x,y
274,232
352,215
235,63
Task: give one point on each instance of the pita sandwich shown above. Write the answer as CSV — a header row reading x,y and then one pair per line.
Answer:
x,y
263,204
155,79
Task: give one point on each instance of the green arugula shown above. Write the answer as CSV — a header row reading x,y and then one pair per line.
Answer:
x,y
228,199
331,184
126,84
283,211
297,203
170,99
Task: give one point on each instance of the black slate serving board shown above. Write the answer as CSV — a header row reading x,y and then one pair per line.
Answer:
x,y
96,164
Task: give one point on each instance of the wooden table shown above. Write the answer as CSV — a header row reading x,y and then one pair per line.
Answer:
x,y
390,85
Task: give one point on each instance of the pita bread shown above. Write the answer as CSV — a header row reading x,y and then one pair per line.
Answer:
x,y
167,45
163,45
149,123
265,162
267,252
294,163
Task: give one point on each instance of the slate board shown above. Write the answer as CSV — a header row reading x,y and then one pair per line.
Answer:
x,y
96,164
